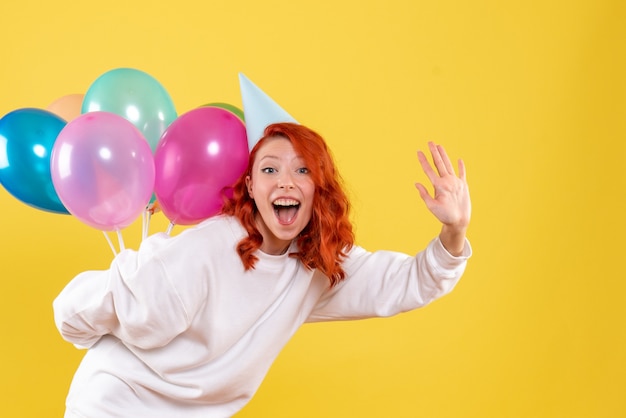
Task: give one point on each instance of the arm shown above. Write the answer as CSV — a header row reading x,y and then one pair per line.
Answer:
x,y
450,203
135,299
385,283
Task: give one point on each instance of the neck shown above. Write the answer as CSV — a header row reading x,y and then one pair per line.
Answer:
x,y
271,245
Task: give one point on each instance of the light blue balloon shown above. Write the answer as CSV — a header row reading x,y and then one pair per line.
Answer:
x,y
26,140
137,97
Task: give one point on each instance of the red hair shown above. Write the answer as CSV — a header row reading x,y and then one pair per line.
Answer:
x,y
328,236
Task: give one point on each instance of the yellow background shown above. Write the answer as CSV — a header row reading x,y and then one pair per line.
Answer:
x,y
532,95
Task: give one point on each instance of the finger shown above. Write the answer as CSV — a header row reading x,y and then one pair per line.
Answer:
x,y
437,159
445,159
462,172
434,152
430,173
424,193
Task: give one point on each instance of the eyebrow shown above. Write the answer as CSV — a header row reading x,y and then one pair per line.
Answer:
x,y
275,157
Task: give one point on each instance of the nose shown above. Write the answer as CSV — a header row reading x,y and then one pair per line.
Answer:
x,y
285,181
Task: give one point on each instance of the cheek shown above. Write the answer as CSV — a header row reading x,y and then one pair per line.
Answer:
x,y
310,197
309,191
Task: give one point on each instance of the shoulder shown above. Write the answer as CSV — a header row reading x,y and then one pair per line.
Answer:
x,y
218,232
219,224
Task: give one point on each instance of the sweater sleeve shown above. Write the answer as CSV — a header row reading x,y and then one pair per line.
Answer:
x,y
385,283
135,299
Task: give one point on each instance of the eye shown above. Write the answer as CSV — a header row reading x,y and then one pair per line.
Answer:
x,y
268,170
303,170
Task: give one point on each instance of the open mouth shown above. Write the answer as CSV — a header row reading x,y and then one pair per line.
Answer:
x,y
286,210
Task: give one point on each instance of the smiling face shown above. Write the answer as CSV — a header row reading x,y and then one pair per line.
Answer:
x,y
282,188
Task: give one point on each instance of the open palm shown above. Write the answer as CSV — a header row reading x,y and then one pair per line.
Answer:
x,y
450,202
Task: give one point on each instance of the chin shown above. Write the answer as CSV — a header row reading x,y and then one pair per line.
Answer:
x,y
287,235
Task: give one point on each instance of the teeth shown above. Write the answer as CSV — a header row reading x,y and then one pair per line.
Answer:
x,y
286,202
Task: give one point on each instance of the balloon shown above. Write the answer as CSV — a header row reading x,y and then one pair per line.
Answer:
x,y
67,107
201,154
231,108
103,170
136,96
27,137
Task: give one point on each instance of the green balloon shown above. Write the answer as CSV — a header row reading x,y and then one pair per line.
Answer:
x,y
136,96
233,109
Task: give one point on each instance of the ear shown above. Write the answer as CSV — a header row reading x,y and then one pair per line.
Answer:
x,y
249,186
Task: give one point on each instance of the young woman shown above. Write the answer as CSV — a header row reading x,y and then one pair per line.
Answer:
x,y
189,325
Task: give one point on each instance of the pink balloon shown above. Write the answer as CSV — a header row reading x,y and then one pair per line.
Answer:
x,y
199,156
103,170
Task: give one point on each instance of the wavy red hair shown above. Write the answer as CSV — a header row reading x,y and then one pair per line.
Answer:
x,y
328,236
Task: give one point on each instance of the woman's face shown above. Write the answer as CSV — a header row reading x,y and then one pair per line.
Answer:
x,y
283,190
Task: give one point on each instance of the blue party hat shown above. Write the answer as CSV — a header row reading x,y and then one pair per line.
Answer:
x,y
259,110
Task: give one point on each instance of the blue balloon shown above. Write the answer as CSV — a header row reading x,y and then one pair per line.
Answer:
x,y
26,140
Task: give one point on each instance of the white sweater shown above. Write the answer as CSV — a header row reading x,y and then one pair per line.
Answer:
x,y
179,329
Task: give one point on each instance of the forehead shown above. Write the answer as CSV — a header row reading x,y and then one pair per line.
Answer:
x,y
277,147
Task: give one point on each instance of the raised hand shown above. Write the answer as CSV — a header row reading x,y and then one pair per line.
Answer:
x,y
450,202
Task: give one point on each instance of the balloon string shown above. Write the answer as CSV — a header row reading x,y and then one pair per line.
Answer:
x,y
150,212
110,243
144,215
120,240
169,228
